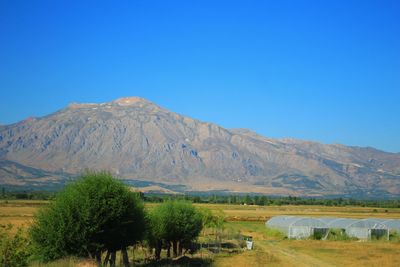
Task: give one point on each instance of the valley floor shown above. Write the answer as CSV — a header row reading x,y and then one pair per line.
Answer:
x,y
269,249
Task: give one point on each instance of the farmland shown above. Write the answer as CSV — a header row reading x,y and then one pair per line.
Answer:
x,y
270,248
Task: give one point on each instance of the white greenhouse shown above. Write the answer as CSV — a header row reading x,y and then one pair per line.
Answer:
x,y
360,228
298,227
392,224
301,227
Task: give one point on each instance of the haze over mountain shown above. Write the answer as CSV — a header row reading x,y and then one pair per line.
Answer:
x,y
138,140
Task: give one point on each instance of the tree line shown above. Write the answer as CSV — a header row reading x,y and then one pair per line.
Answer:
x,y
264,200
234,199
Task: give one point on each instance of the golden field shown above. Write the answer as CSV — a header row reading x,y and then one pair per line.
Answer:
x,y
269,249
273,251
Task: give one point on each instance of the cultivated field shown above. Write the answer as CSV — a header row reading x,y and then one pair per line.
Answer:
x,y
270,248
262,213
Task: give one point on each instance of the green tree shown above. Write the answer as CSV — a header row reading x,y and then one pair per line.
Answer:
x,y
248,200
94,214
216,222
176,224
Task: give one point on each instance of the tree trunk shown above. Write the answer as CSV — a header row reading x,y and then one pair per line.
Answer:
x,y
169,250
113,256
180,250
124,255
98,257
107,258
158,250
175,248
219,242
146,253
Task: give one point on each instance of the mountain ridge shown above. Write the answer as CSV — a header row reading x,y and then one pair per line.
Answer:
x,y
137,139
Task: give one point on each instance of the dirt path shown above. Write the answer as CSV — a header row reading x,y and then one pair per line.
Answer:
x,y
270,253
291,256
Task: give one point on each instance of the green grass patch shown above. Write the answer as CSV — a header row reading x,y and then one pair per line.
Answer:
x,y
394,236
274,233
257,228
339,235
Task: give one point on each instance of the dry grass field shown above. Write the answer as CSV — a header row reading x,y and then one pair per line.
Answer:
x,y
270,249
263,213
19,212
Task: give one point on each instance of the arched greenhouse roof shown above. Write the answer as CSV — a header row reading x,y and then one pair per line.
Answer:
x,y
308,221
281,220
334,222
371,223
340,222
288,221
368,223
392,224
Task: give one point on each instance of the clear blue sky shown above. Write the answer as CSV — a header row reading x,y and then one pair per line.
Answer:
x,y
327,71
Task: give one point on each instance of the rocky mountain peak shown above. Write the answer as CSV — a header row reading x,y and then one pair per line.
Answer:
x,y
129,101
136,139
120,102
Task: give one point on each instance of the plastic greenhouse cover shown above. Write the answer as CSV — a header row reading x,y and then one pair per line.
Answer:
x,y
334,222
282,220
288,221
341,222
368,223
392,224
314,222
328,220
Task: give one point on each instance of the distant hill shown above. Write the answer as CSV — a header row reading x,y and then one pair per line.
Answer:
x,y
138,140
17,176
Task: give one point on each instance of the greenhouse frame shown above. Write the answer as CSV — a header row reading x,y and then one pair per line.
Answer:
x,y
361,229
302,227
298,227
392,224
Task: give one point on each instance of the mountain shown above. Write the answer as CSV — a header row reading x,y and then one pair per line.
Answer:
x,y
17,176
138,140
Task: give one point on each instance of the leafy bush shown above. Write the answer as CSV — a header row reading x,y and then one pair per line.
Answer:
x,y
93,214
14,248
176,224
394,236
318,235
339,235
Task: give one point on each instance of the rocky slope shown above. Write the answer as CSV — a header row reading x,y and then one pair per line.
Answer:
x,y
136,139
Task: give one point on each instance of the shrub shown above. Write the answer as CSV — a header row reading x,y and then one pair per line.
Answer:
x,y
176,224
394,236
93,214
14,248
338,235
318,235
